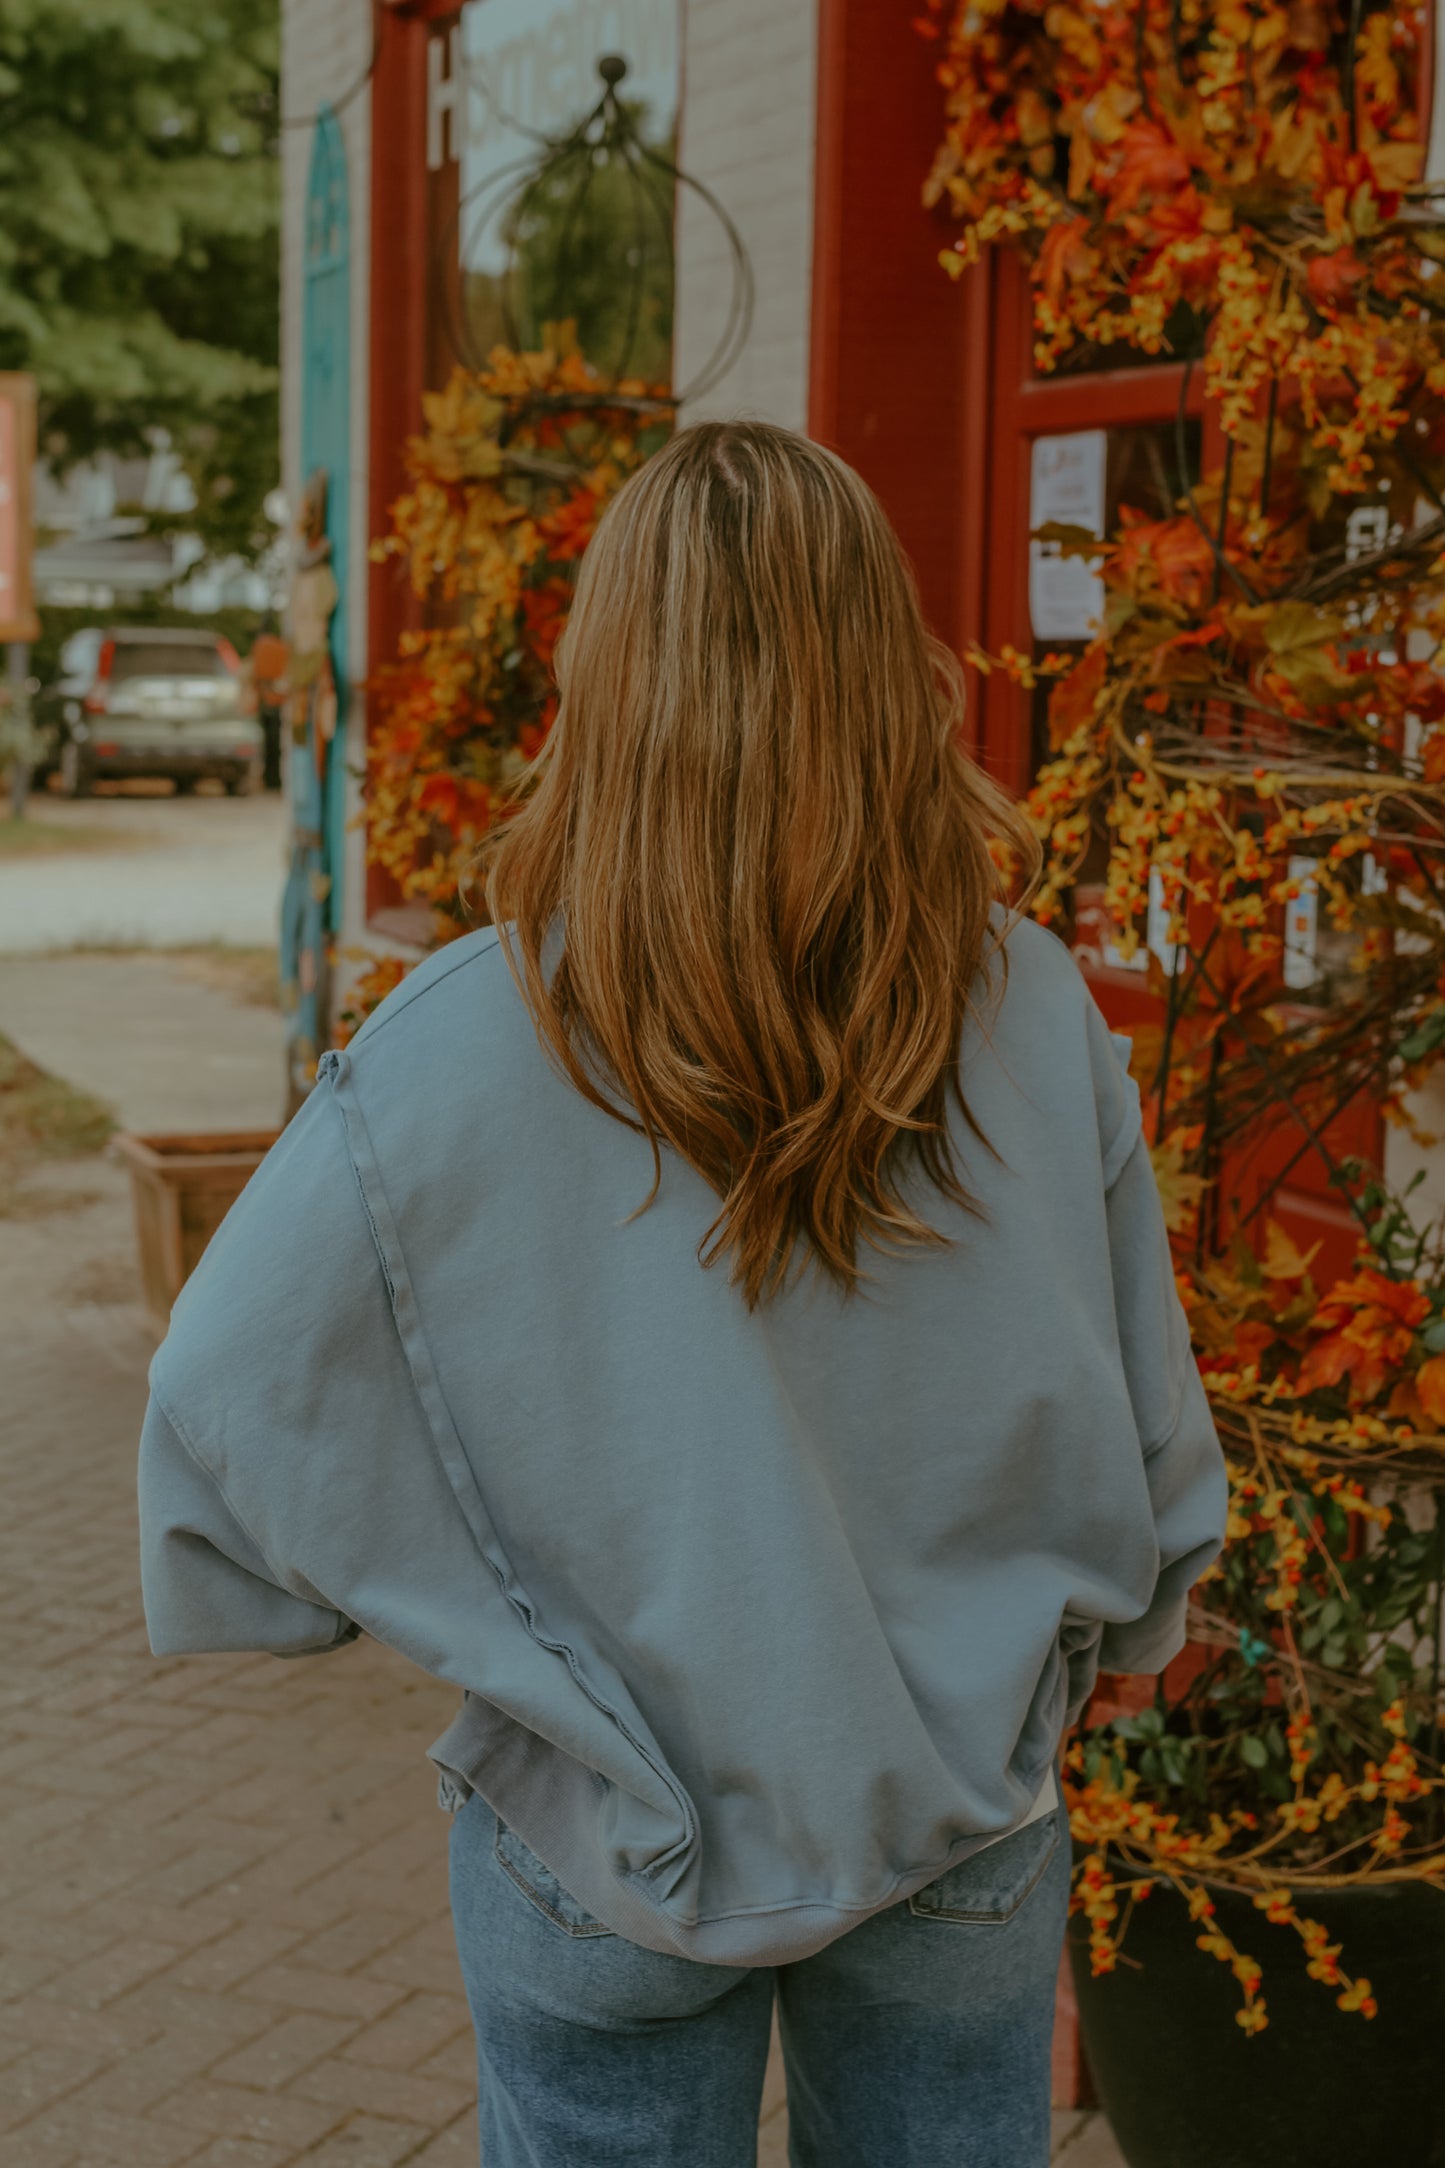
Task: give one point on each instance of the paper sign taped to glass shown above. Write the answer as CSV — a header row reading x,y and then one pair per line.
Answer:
x,y
1067,474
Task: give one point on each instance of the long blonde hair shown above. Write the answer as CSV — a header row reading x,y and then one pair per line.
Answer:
x,y
765,847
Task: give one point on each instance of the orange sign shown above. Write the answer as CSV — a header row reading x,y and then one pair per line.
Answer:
x,y
17,458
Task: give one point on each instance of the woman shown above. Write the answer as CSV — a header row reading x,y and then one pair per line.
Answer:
x,y
720,1318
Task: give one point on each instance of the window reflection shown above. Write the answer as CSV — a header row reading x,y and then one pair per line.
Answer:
x,y
592,242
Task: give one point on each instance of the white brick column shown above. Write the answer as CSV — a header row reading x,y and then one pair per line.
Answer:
x,y
749,86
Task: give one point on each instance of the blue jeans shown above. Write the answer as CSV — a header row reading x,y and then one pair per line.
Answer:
x,y
920,2039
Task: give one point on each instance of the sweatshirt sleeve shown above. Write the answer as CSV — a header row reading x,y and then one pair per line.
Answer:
x,y
1183,1464
206,1584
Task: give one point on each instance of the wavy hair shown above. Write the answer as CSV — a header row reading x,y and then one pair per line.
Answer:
x,y
767,851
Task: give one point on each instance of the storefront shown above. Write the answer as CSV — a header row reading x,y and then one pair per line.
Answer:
x,y
408,126
813,128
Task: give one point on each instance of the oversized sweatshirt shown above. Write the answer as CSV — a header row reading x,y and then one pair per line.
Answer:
x,y
761,1619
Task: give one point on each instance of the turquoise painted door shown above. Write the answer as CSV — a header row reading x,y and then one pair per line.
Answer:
x,y
313,905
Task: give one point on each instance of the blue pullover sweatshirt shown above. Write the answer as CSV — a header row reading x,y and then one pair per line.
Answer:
x,y
762,1620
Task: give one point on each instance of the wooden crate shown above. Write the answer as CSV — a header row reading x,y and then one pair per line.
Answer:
x,y
183,1187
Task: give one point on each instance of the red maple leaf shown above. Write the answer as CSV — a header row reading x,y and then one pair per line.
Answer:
x,y
1152,165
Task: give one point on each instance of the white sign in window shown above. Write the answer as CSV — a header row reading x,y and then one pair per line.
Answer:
x,y
1066,594
1302,927
1156,936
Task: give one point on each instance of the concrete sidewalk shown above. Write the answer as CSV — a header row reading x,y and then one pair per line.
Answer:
x,y
164,1051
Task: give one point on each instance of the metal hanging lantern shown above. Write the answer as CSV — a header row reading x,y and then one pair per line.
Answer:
x,y
581,229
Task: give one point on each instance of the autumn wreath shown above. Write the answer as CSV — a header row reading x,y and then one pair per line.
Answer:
x,y
508,478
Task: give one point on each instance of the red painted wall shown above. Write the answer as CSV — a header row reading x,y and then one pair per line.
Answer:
x,y
891,360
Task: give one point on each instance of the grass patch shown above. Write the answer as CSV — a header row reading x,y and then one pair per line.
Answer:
x,y
41,1118
44,839
252,975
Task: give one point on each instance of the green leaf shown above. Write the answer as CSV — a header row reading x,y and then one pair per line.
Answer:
x,y
1424,1038
1174,1753
1253,1751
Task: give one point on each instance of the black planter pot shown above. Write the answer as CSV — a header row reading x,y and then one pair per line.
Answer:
x,y
1185,2087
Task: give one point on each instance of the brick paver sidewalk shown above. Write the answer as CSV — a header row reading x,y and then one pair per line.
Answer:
x,y
223,1928
223,1913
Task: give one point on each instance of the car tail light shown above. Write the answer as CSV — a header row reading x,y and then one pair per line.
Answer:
x,y
107,751
97,700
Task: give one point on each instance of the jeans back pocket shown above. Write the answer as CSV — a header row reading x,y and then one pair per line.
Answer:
x,y
990,1886
540,1886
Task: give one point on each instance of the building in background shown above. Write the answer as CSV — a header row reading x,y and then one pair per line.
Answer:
x,y
92,554
96,548
814,123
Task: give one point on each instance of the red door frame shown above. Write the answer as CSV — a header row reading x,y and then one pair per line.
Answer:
x,y
891,337
1024,406
397,351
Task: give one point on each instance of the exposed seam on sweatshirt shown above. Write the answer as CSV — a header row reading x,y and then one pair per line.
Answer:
x,y
1121,1145
1177,1414
446,1441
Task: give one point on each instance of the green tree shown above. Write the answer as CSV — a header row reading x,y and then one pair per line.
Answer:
x,y
139,211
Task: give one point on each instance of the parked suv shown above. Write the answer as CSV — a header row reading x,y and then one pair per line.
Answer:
x,y
153,701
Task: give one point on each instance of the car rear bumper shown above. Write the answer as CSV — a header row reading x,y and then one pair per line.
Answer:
x,y
122,760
